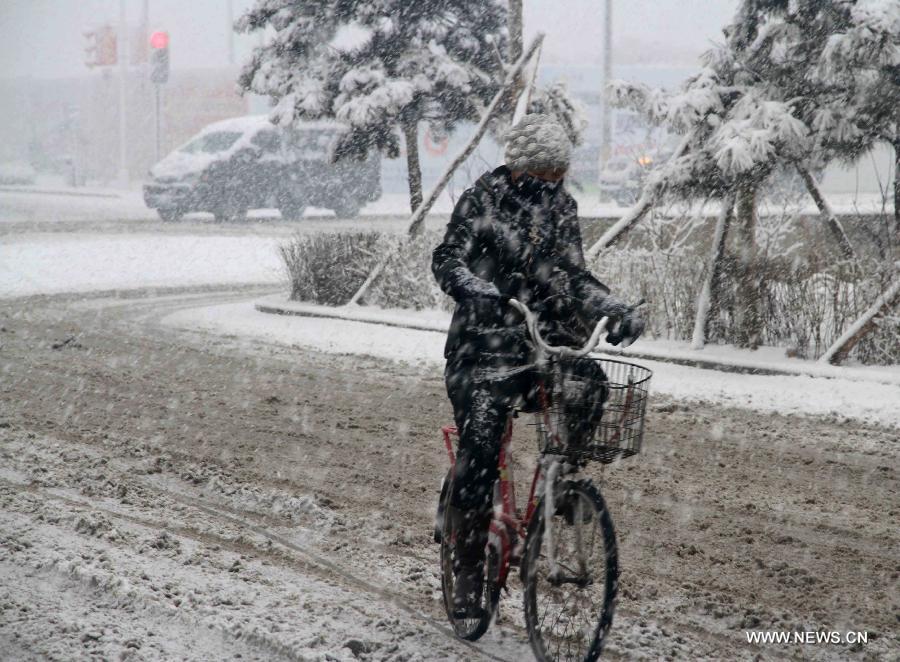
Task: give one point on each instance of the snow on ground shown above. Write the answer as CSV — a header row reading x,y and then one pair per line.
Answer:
x,y
209,496
325,335
764,359
53,263
155,571
26,203
864,400
51,204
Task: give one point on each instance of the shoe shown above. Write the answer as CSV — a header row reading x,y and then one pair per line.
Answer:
x,y
471,530
468,588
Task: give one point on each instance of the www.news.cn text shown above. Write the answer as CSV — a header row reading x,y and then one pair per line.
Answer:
x,y
807,637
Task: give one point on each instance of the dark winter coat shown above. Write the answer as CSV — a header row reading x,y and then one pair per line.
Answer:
x,y
515,239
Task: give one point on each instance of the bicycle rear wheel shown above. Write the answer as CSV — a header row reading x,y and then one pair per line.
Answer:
x,y
569,610
470,629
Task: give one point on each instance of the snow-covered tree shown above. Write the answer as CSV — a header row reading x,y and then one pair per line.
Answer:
x,y
379,67
735,136
795,84
839,60
857,84
554,100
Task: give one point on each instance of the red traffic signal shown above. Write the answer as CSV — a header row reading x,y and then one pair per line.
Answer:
x,y
159,40
159,57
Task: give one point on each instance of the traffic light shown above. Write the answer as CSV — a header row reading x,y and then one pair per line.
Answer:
x,y
101,48
159,57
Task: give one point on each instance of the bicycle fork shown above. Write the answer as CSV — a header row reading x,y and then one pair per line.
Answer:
x,y
557,576
549,511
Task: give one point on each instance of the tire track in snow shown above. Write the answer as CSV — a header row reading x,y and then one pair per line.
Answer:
x,y
308,557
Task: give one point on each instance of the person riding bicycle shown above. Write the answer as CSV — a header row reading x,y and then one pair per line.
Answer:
x,y
514,234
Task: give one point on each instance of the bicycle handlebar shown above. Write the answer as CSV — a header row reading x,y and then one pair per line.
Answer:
x,y
531,324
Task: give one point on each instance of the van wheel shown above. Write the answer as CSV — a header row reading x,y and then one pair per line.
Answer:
x,y
347,209
292,211
230,213
170,215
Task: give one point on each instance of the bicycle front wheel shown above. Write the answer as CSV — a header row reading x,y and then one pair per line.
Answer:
x,y
570,573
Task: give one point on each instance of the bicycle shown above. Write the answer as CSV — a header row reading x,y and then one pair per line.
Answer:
x,y
564,543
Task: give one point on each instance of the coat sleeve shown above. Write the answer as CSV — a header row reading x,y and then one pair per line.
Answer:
x,y
450,261
594,297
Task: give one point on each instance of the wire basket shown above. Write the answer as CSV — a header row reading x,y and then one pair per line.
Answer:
x,y
596,410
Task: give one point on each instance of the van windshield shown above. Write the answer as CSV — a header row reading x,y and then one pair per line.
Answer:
x,y
313,144
210,143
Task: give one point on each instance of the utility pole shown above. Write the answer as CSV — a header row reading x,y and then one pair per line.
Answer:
x,y
122,54
605,117
230,29
514,26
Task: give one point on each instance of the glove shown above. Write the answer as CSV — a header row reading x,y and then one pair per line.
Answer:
x,y
478,288
487,293
626,329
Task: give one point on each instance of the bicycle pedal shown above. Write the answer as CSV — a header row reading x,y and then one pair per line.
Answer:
x,y
466,614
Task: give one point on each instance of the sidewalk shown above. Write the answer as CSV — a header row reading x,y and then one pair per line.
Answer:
x,y
724,358
416,340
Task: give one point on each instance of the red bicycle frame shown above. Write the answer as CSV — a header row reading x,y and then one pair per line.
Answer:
x,y
508,526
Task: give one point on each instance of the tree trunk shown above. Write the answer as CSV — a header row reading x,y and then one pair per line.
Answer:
x,y
863,326
411,132
897,193
707,297
514,22
749,302
831,220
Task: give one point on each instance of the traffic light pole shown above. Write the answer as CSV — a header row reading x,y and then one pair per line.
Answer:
x,y
159,74
158,91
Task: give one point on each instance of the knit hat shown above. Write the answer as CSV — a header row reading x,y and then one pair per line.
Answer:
x,y
538,142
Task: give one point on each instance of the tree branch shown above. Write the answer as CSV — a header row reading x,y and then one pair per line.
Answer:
x,y
831,220
863,326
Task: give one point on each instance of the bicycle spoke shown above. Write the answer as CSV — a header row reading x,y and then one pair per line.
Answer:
x,y
569,606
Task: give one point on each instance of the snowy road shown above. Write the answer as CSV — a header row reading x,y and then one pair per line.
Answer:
x,y
203,491
59,243
192,494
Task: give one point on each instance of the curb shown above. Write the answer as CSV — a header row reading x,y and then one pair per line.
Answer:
x,y
359,314
348,316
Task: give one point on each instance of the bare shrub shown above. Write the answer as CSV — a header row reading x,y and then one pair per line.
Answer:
x,y
808,299
662,262
406,281
329,268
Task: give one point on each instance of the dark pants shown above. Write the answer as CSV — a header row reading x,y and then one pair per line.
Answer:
x,y
483,398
